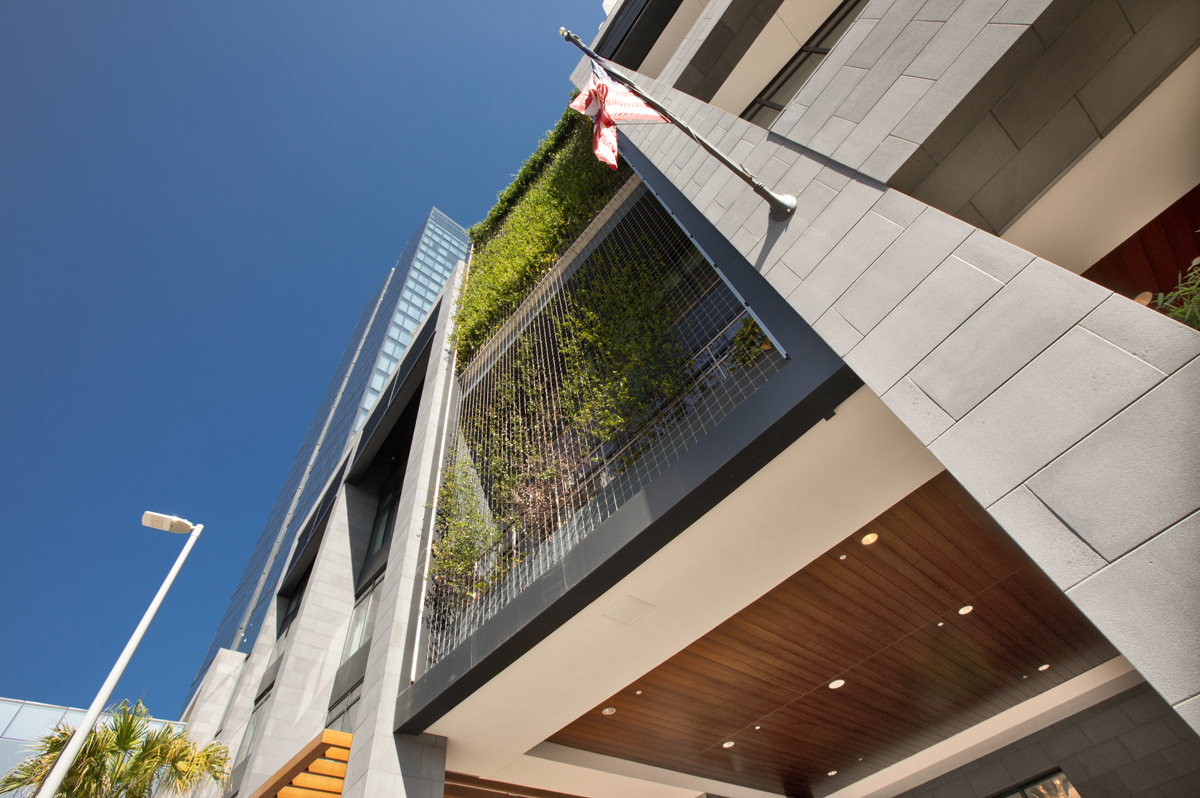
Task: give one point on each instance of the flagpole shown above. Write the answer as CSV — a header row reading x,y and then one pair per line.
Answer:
x,y
782,205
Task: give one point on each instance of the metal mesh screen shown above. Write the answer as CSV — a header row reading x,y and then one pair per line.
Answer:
x,y
616,364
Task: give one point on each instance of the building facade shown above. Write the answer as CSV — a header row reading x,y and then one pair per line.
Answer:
x,y
380,338
897,496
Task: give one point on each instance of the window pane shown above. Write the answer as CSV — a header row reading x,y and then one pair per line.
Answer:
x,y
33,721
1056,786
8,709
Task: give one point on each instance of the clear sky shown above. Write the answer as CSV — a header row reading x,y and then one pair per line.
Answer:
x,y
196,201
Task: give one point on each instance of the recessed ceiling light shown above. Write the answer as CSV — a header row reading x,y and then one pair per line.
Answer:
x,y
1024,676
727,744
836,683
833,773
842,557
608,711
637,692
940,623
756,728
869,538
964,610
1043,667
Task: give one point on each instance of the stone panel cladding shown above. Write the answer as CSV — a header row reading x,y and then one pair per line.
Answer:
x,y
724,44
382,763
1066,82
1036,388
1129,745
307,666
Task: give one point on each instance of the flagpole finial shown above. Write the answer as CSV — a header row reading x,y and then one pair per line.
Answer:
x,y
562,32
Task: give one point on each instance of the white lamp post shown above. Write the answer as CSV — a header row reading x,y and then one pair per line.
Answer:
x,y
59,772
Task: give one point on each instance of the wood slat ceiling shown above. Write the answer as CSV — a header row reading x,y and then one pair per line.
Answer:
x,y
460,785
885,618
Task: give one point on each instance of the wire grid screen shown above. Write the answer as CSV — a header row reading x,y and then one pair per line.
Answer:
x,y
641,351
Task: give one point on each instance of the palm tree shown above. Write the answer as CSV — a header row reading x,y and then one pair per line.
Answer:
x,y
122,758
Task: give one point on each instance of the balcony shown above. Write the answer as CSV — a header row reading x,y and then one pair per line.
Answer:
x,y
631,388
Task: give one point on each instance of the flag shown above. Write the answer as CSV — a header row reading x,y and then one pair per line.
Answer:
x,y
608,102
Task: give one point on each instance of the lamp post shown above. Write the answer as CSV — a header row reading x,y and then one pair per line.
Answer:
x,y
57,773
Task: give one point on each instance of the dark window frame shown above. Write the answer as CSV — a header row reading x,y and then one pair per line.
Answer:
x,y
811,52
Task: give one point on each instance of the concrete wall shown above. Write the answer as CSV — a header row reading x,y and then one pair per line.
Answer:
x,y
1054,402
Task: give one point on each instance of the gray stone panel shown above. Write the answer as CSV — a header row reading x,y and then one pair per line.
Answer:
x,y
1137,601
883,117
885,32
1066,392
888,69
937,10
918,412
899,208
1144,60
1189,710
1092,40
1055,147
1141,740
1025,12
967,20
969,87
995,256
968,167
850,258
1026,316
891,154
840,86
942,301
899,270
837,332
816,84
1139,12
845,211
1056,549
831,135
1058,16
1134,476
1159,340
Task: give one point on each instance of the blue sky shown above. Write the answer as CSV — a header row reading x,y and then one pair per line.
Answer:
x,y
196,200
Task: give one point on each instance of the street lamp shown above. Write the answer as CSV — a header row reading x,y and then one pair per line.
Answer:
x,y
168,523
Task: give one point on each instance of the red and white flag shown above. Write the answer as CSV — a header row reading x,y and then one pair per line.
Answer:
x,y
608,102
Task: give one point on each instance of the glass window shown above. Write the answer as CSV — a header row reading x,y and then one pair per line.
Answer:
x,y
32,721
382,528
8,709
785,85
1056,786
344,713
253,728
361,621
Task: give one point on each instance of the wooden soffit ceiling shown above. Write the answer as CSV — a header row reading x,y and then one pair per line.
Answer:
x,y
889,619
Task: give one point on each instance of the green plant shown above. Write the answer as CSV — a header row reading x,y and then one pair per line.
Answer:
x,y
549,203
122,757
748,344
468,530
622,363
1183,304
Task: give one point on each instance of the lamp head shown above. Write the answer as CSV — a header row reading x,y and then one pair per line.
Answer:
x,y
168,523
